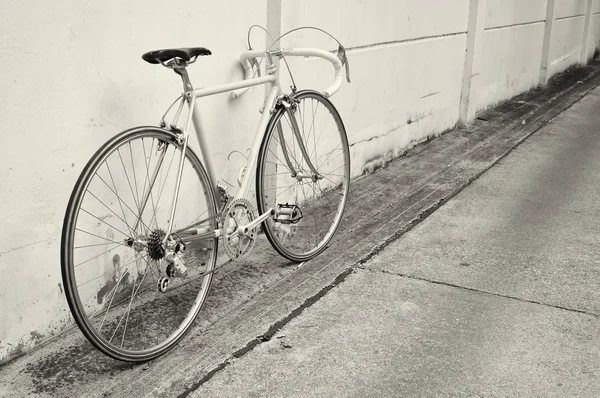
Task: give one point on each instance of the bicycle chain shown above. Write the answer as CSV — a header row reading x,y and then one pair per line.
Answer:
x,y
193,225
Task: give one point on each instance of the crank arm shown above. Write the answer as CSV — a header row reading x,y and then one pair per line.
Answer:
x,y
244,229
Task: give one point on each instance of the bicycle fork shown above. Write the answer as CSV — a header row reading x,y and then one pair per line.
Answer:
x,y
291,109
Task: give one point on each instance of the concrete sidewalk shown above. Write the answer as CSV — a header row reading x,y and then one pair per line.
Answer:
x,y
249,304
494,295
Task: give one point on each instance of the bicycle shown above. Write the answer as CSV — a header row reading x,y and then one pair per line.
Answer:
x,y
127,284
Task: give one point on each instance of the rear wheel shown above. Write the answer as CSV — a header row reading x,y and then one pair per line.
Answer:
x,y
304,175
128,295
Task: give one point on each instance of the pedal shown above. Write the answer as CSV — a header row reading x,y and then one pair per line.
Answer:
x,y
287,214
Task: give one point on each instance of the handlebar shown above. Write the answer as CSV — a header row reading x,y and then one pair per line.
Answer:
x,y
294,52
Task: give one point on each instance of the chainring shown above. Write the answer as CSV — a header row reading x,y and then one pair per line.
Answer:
x,y
239,212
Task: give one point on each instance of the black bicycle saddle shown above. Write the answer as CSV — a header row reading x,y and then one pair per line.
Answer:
x,y
185,54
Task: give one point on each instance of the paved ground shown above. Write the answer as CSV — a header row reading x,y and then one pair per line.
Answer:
x,y
495,294
250,303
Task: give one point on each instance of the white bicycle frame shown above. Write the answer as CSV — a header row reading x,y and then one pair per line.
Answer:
x,y
237,88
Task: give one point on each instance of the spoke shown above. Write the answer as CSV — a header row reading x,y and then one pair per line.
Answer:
x,y
288,188
133,293
150,183
104,252
323,196
303,118
98,244
99,219
325,207
101,237
119,199
128,311
149,266
275,174
135,178
282,163
293,139
270,189
330,180
327,158
111,290
128,181
108,208
306,201
336,169
315,134
310,130
101,276
286,150
110,303
145,179
195,223
165,180
276,164
321,134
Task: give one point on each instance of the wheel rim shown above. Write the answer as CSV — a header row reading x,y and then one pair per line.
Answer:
x,y
322,201
112,287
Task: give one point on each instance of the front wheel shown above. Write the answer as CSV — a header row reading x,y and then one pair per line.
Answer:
x,y
304,175
129,294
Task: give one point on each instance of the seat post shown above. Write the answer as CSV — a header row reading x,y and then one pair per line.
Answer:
x,y
182,71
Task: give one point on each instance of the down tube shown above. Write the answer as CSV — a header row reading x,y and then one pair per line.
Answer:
x,y
258,138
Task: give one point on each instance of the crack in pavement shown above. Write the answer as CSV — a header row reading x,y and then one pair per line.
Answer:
x,y
422,215
471,289
274,328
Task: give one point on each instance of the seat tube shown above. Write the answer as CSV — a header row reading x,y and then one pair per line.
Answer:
x,y
203,144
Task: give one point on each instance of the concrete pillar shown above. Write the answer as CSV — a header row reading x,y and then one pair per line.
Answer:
x,y
274,28
544,73
475,31
583,59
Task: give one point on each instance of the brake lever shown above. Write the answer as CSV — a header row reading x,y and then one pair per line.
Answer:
x,y
341,54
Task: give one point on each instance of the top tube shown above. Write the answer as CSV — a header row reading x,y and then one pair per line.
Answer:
x,y
242,84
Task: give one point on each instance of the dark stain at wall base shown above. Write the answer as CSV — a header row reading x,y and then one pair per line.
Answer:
x,y
85,364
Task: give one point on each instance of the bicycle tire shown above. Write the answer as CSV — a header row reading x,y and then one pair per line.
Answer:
x,y
273,173
162,310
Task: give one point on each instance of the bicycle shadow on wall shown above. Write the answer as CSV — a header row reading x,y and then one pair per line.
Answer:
x,y
78,362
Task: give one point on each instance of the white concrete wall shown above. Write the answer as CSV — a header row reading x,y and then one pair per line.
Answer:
x,y
405,64
567,35
71,77
512,49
